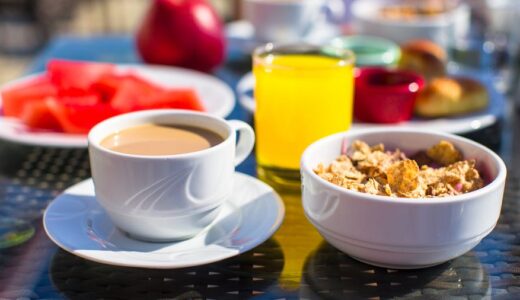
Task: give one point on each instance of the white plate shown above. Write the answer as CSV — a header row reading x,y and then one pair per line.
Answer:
x,y
76,223
217,96
457,125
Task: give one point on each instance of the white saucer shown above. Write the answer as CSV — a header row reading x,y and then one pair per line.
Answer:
x,y
76,223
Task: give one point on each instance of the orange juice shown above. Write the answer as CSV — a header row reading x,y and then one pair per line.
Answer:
x,y
300,98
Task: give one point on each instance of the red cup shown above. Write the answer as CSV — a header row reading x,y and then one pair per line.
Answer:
x,y
384,95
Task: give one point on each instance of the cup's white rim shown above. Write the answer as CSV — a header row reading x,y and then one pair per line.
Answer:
x,y
493,185
158,112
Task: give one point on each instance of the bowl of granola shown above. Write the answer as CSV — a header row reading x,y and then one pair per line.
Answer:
x,y
402,198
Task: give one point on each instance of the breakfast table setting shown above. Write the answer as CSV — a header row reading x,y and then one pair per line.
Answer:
x,y
270,192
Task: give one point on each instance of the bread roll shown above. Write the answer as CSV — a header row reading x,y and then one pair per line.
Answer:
x,y
445,96
423,57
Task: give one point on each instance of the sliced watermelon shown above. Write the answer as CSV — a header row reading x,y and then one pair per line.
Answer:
x,y
81,75
79,118
174,98
74,96
124,92
109,84
15,97
127,97
36,114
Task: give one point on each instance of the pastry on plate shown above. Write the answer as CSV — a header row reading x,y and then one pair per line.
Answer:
x,y
423,57
450,96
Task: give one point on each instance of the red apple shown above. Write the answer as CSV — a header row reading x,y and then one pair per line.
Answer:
x,y
184,33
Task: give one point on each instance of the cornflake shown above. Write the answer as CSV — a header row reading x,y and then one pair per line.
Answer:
x,y
437,172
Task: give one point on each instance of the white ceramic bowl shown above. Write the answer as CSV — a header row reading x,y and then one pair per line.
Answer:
x,y
399,232
441,29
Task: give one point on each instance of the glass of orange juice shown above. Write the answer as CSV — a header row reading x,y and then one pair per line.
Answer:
x,y
303,93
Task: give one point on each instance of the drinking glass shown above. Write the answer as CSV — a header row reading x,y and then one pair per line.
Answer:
x,y
303,92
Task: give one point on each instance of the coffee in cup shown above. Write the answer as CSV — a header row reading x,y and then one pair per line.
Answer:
x,y
161,139
160,195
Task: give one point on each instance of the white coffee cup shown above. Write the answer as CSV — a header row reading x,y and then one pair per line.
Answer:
x,y
170,197
288,20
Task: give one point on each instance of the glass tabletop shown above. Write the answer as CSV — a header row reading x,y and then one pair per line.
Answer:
x,y
295,263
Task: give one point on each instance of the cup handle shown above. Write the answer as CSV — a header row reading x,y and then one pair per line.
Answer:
x,y
336,8
246,141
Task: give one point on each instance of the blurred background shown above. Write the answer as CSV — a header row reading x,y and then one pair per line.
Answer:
x,y
27,25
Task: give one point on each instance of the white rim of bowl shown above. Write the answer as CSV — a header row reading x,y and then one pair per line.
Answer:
x,y
500,177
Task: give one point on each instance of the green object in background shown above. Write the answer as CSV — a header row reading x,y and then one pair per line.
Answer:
x,y
14,232
370,50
